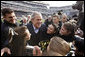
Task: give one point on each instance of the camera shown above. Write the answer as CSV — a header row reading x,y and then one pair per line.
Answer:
x,y
78,5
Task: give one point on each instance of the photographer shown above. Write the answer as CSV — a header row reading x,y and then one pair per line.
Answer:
x,y
80,6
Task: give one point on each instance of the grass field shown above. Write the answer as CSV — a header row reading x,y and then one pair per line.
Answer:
x,y
18,20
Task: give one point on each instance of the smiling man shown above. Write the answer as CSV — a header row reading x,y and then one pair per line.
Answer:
x,y
36,28
9,22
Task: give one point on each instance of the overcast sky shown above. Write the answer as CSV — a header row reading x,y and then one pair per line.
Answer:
x,y
59,3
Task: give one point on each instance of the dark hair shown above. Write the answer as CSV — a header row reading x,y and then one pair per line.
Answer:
x,y
70,27
56,28
18,43
79,44
6,11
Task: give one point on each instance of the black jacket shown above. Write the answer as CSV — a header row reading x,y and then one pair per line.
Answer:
x,y
47,22
35,37
5,32
67,38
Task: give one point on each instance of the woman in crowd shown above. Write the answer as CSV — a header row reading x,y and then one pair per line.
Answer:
x,y
58,47
18,42
67,31
52,30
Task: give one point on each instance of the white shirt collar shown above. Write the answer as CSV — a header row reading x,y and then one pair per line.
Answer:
x,y
35,29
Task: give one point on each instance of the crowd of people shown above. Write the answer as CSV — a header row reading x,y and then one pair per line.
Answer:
x,y
57,36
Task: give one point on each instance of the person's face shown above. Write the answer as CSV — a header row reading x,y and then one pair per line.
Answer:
x,y
28,34
25,21
11,18
55,20
50,29
63,31
37,21
64,19
50,18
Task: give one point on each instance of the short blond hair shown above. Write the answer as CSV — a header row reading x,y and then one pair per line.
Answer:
x,y
58,47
